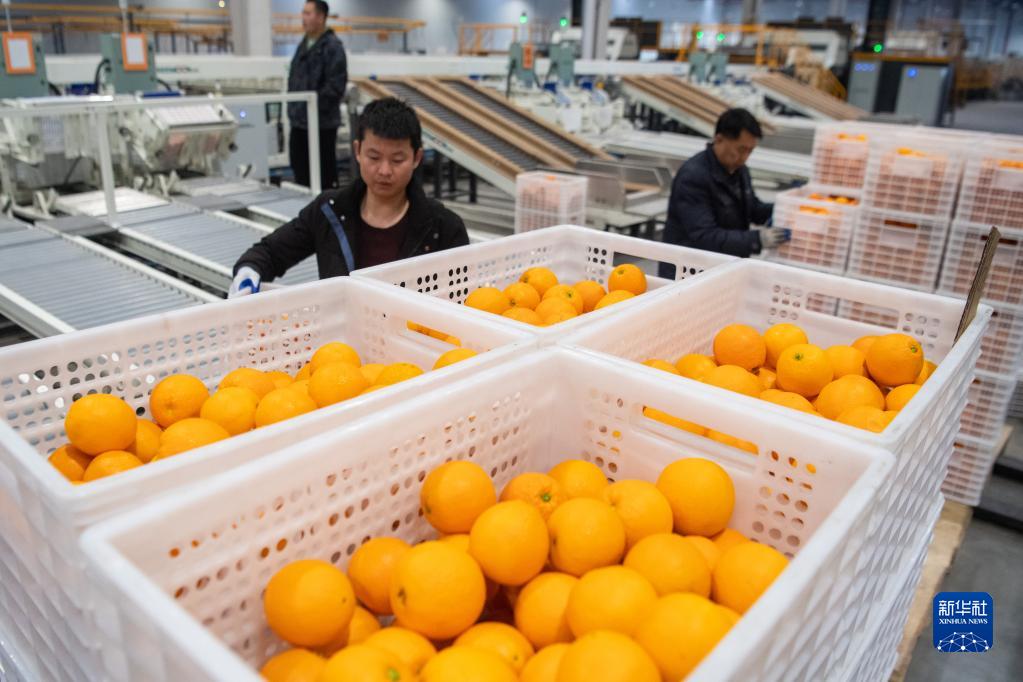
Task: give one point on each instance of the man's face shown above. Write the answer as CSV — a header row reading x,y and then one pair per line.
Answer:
x,y
386,165
312,20
732,154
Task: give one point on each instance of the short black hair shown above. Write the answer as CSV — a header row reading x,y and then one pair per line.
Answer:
x,y
321,7
391,119
734,121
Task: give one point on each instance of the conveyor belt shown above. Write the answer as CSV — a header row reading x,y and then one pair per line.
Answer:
x,y
680,100
806,99
51,284
273,202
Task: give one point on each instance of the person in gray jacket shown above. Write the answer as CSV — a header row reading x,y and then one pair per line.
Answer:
x,y
320,65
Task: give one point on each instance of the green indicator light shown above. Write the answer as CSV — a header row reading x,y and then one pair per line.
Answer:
x,y
878,47
563,22
523,18
721,37
699,35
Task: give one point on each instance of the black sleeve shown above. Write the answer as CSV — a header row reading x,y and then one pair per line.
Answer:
x,y
453,233
691,202
335,76
289,244
762,211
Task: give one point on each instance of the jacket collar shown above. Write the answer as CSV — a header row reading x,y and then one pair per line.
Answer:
x,y
420,217
303,46
720,175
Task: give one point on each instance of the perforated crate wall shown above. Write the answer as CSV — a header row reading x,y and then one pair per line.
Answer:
x,y
898,248
969,469
966,242
988,406
546,199
822,229
992,187
913,174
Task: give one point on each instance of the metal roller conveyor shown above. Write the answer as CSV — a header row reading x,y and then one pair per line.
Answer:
x,y
50,284
276,203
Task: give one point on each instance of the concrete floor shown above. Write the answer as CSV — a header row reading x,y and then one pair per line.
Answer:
x,y
991,115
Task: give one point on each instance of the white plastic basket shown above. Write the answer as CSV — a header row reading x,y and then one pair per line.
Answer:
x,y
524,415
988,406
914,171
992,186
840,153
761,294
1016,405
44,514
968,470
899,248
821,229
573,253
545,199
966,243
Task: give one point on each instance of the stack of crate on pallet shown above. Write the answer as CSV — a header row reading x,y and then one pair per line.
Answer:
x,y
991,194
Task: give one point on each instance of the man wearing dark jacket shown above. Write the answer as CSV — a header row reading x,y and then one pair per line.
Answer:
x,y
383,216
319,64
712,201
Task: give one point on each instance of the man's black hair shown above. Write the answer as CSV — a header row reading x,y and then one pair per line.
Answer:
x,y
391,119
321,7
734,121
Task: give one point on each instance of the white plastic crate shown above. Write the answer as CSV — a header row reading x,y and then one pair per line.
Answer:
x,y
1016,405
546,199
821,229
197,615
968,470
914,172
1001,349
840,154
988,406
573,253
992,186
966,243
760,294
44,514
899,248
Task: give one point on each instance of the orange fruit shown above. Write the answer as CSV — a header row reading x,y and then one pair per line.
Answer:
x,y
740,345
610,598
585,534
701,495
743,573
109,463
457,540
889,416
627,277
846,360
280,379
282,403
177,397
246,377
300,385
671,563
540,609
732,441
308,602
462,663
189,434
866,417
849,391
147,440
304,373
488,299
731,616
453,356
234,408
591,293
539,490
524,315
501,639
728,538
555,306
100,422
787,399
372,371
396,373
437,590
540,279
642,508
334,382
707,548
671,420
607,656
734,378
768,377
510,543
370,570
895,359
561,316
899,396
662,365
455,494
779,337
926,372
579,478
293,665
522,295
70,462
361,663
568,293
362,626
410,648
864,343
804,369
679,631
612,298
543,666
332,352
695,366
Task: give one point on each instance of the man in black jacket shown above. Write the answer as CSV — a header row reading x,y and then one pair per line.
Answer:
x,y
712,201
319,64
383,216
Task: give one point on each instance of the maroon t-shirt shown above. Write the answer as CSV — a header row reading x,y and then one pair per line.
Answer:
x,y
378,245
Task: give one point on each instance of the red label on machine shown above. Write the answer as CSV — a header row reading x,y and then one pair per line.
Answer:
x,y
527,56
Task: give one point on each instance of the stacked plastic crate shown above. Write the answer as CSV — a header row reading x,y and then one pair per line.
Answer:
x,y
545,199
992,194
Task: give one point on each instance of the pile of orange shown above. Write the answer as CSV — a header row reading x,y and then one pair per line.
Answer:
x,y
864,385
540,300
106,437
563,577
834,198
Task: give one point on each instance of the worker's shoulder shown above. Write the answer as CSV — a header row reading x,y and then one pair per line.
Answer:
x,y
443,216
330,41
694,168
